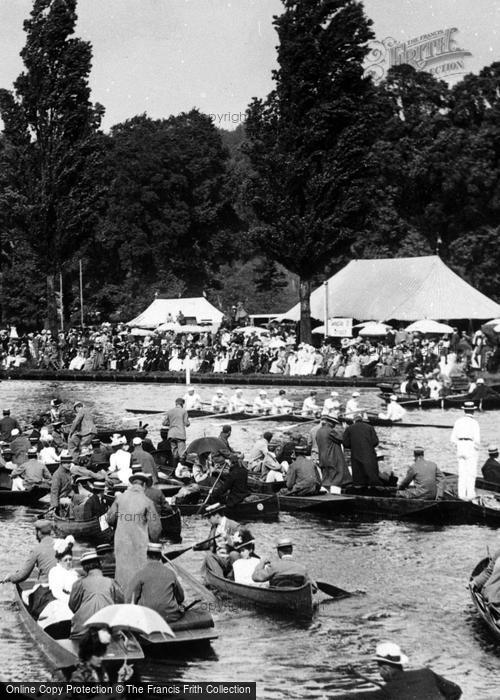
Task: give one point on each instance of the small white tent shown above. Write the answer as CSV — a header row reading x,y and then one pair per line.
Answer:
x,y
196,310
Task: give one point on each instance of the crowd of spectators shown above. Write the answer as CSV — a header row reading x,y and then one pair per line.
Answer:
x,y
247,351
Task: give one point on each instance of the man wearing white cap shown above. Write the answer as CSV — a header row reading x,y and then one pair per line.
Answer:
x,y
146,460
261,404
421,683
192,400
309,406
466,436
394,411
281,404
237,403
331,405
219,402
352,405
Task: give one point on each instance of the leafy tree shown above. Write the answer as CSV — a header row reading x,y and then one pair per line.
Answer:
x,y
51,154
308,140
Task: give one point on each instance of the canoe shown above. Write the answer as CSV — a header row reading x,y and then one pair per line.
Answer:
x,y
193,413
295,602
22,498
63,653
257,507
91,531
489,613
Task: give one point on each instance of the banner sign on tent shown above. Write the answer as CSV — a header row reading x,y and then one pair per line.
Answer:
x,y
340,327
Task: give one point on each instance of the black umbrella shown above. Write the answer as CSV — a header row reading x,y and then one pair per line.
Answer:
x,y
206,444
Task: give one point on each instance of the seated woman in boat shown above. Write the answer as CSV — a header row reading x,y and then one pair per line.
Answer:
x,y
62,576
243,568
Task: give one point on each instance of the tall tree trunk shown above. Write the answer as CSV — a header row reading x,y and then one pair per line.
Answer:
x,y
51,318
305,310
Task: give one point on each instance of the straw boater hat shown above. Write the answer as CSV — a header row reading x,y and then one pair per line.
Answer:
x,y
418,450
284,542
492,450
393,397
116,441
355,394
43,526
98,486
390,653
90,555
469,406
66,458
330,419
212,509
137,441
262,392
139,476
154,547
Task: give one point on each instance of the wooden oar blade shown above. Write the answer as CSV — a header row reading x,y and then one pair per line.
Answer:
x,y
333,591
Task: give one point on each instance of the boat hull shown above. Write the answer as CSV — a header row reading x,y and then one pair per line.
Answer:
x,y
21,498
296,602
262,507
488,613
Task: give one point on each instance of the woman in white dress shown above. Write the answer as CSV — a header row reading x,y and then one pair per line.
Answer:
x,y
244,567
62,576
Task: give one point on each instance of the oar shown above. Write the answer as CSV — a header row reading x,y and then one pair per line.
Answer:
x,y
191,605
351,669
177,552
194,583
334,591
211,490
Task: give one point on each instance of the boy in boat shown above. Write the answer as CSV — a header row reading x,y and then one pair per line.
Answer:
x,y
284,571
420,683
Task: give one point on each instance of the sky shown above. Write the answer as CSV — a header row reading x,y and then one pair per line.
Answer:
x,y
163,57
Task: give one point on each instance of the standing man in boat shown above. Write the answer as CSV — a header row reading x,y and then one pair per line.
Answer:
x,y
285,571
61,486
420,683
177,420
136,523
466,436
361,439
156,586
422,480
7,425
42,556
330,455
192,400
491,468
82,429
91,593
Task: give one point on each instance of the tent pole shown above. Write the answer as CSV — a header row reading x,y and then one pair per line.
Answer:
x,y
326,308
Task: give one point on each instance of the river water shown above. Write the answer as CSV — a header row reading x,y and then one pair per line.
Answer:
x,y
414,576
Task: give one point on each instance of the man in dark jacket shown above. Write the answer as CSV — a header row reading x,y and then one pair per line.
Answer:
x,y
420,683
303,478
144,459
330,456
425,476
491,468
61,486
235,484
7,425
361,439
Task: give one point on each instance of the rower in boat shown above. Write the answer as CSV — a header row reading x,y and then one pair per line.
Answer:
x,y
91,593
156,586
352,405
261,404
309,406
177,420
136,523
7,425
491,468
361,439
82,430
466,436
220,553
192,400
42,556
234,488
33,473
62,483
331,405
394,412
303,477
144,459
282,405
219,402
423,479
420,683
237,403
283,571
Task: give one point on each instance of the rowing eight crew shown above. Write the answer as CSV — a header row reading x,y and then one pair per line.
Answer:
x,y
263,405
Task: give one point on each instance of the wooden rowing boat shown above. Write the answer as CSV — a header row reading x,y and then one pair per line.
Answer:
x,y
256,507
297,602
197,629
193,413
489,613
22,498
63,653
92,532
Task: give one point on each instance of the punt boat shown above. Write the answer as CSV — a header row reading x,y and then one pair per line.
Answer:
x,y
489,613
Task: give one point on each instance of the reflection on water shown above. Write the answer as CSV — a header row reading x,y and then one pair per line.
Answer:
x,y
414,577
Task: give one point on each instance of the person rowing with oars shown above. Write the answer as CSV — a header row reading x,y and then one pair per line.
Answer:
x,y
283,571
220,553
